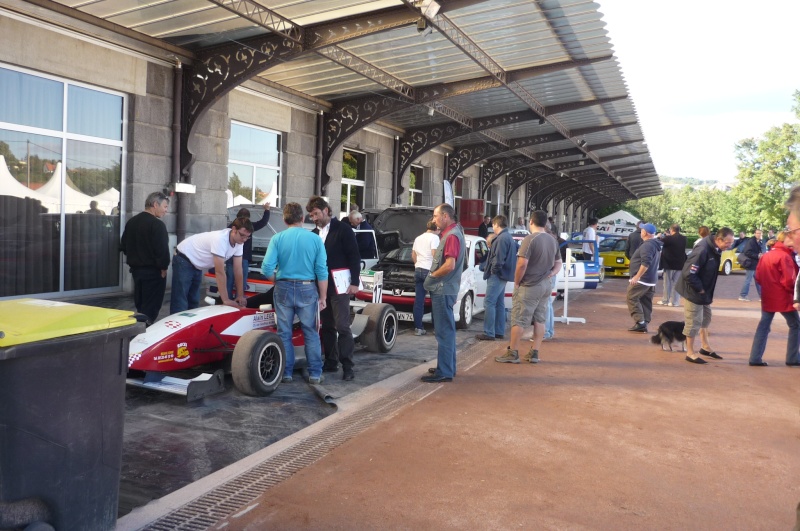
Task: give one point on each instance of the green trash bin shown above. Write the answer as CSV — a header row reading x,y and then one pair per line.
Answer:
x,y
62,405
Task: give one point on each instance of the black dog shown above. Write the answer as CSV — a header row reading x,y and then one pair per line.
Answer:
x,y
670,332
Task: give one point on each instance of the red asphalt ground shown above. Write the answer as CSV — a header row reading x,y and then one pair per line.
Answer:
x,y
607,432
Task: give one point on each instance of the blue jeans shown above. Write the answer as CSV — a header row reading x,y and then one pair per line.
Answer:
x,y
494,317
186,282
550,323
671,279
444,324
420,275
750,274
231,279
760,339
302,300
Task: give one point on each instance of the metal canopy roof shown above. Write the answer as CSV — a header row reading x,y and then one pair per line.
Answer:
x,y
528,88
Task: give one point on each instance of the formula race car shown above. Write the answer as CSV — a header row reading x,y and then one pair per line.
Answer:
x,y
242,341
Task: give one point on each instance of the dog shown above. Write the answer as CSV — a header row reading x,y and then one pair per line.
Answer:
x,y
670,332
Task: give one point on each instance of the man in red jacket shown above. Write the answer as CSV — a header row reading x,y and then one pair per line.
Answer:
x,y
776,273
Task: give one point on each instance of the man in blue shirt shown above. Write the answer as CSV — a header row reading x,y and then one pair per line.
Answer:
x,y
296,260
644,277
500,266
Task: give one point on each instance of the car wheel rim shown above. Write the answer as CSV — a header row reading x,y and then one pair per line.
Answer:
x,y
468,309
389,329
269,364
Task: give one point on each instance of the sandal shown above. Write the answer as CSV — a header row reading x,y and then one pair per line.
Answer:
x,y
711,354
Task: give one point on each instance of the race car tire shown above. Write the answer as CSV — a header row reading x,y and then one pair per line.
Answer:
x,y
602,274
727,267
380,333
465,312
258,362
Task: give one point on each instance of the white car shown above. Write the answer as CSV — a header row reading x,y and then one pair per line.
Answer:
x,y
398,283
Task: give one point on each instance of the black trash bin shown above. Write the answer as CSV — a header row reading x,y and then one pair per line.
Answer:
x,y
62,402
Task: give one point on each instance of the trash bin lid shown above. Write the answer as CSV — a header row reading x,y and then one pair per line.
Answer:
x,y
28,320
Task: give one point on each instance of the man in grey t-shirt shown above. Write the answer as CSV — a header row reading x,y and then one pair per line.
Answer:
x,y
538,259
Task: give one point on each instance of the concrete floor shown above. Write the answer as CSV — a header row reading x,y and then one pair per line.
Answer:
x,y
607,432
169,443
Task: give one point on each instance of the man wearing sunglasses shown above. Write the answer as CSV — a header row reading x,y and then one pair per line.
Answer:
x,y
204,251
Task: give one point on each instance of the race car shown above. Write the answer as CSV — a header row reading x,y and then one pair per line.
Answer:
x,y
242,341
612,249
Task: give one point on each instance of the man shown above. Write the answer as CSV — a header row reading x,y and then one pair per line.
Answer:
x,y
738,243
752,250
634,240
247,249
145,243
698,280
443,283
296,260
204,251
644,276
498,271
770,236
590,239
673,255
483,228
520,224
366,247
343,260
422,255
792,227
94,210
538,260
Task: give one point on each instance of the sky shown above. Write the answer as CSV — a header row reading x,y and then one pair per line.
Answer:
x,y
704,75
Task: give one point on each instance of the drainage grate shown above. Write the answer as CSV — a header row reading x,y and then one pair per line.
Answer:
x,y
236,494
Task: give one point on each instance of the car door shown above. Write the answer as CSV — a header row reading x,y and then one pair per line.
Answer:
x,y
479,284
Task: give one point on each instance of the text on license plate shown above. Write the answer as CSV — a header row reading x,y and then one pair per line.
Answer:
x,y
405,316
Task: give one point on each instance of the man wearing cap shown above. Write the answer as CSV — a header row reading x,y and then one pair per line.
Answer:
x,y
644,276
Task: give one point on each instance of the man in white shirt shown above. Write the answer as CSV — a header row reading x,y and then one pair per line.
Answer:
x,y
204,251
590,233
422,254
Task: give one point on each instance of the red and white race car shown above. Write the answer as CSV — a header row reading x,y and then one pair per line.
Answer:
x,y
243,341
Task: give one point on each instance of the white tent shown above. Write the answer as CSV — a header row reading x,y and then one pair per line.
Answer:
x,y
10,186
620,217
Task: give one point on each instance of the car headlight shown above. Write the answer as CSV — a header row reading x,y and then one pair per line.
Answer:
x,y
620,260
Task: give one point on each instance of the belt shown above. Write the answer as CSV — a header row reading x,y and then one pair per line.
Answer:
x,y
177,252
296,281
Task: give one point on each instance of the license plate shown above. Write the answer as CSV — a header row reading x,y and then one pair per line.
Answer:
x,y
405,316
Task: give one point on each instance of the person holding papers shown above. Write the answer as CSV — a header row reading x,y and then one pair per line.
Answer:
x,y
343,261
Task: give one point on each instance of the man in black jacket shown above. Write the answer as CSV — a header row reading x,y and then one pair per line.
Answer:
x,y
145,243
673,255
752,251
483,228
697,283
634,240
342,250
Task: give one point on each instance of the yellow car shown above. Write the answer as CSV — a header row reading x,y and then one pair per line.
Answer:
x,y
728,262
615,263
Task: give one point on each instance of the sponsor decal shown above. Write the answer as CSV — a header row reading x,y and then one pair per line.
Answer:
x,y
172,324
133,358
183,352
397,292
188,314
164,356
261,320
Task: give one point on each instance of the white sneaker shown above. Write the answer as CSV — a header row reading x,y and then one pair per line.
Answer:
x,y
420,331
662,303
744,299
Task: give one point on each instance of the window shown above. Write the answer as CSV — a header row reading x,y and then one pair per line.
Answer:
x,y
61,166
458,191
254,166
354,168
415,184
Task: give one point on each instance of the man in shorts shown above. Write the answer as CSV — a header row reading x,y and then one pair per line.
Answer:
x,y
697,283
538,259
